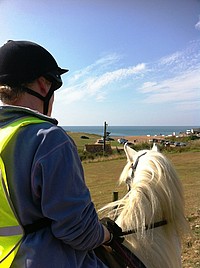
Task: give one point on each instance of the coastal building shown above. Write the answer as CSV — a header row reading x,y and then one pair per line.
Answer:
x,y
195,131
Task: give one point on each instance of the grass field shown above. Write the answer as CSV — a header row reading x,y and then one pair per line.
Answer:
x,y
102,180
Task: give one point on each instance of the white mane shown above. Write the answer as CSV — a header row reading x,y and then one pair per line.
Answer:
x,y
156,194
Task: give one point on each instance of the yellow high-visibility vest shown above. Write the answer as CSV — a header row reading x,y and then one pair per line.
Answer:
x,y
11,231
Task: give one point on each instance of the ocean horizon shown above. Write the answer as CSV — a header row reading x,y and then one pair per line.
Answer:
x,y
123,131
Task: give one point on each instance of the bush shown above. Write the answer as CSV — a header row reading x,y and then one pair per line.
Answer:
x,y
84,155
141,146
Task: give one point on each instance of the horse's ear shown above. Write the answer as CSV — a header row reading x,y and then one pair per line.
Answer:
x,y
129,152
155,148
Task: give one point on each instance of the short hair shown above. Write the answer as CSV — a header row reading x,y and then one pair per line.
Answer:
x,y
10,94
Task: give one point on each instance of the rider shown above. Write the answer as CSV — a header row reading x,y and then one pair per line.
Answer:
x,y
44,173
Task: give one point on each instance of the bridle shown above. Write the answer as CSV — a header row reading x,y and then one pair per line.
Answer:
x,y
133,167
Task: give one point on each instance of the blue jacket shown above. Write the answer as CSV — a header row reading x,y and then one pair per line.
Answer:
x,y
46,179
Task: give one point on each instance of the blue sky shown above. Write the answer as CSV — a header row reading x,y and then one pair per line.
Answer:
x,y
131,62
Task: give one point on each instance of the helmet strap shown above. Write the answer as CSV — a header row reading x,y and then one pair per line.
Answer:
x,y
45,99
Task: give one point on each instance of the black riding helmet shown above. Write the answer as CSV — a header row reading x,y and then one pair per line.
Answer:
x,y
23,61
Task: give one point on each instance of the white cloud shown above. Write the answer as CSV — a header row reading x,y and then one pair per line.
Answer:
x,y
182,88
101,96
170,59
93,80
94,84
148,87
98,65
174,80
197,25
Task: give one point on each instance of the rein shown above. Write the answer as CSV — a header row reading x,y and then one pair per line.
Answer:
x,y
152,226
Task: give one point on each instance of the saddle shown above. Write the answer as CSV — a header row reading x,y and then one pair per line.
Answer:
x,y
113,253
118,256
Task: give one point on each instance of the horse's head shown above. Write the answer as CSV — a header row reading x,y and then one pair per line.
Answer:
x,y
133,158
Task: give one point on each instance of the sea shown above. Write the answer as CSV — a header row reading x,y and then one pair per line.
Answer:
x,y
122,131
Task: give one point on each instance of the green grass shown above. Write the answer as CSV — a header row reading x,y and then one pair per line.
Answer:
x,y
80,143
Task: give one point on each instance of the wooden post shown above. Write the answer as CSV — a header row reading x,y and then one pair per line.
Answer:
x,y
115,196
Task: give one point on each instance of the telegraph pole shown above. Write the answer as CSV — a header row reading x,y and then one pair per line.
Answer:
x,y
104,137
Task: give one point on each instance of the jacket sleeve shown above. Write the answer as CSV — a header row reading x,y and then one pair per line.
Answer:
x,y
58,181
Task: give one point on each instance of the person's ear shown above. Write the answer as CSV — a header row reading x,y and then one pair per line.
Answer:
x,y
44,85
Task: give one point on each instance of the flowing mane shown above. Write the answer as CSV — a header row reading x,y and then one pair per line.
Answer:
x,y
155,195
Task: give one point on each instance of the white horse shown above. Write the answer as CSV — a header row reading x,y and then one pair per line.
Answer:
x,y
153,209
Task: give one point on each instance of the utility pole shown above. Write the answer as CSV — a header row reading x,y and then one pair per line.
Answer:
x,y
104,137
